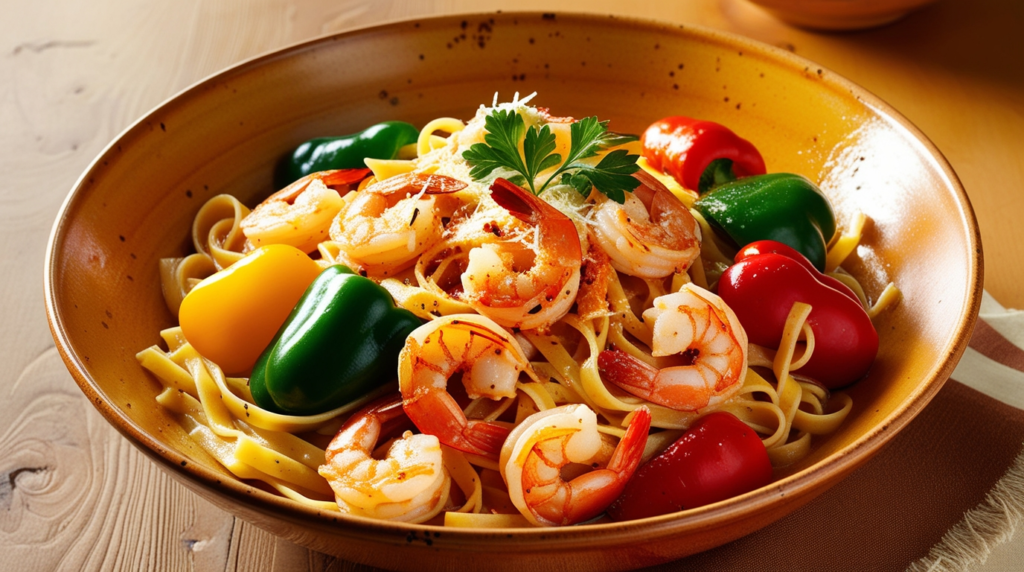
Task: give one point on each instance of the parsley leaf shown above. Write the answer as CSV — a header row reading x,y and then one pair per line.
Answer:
x,y
504,130
537,149
613,175
588,137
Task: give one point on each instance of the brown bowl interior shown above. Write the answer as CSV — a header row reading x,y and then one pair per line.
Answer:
x,y
135,205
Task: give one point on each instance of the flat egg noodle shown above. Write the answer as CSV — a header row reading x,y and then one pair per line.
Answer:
x,y
789,399
684,196
427,141
331,254
889,297
496,500
263,447
587,378
846,243
277,458
281,442
617,338
217,231
219,242
223,451
680,279
852,283
448,254
622,311
818,422
260,417
655,289
386,168
713,261
179,275
466,477
426,304
488,409
790,452
558,390
765,417
538,394
790,394
238,458
839,251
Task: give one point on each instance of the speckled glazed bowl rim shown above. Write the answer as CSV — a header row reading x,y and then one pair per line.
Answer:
x,y
817,476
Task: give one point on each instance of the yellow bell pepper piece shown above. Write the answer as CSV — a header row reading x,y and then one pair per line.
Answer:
x,y
232,316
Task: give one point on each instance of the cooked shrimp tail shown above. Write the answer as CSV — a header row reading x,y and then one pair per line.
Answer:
x,y
650,235
595,491
409,485
384,228
365,427
490,361
300,214
437,413
495,281
412,183
544,443
697,326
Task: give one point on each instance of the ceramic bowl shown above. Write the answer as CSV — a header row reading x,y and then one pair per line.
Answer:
x,y
135,204
838,15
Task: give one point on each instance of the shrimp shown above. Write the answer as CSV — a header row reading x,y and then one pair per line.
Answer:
x,y
534,454
697,325
495,282
300,214
652,235
409,485
490,360
385,227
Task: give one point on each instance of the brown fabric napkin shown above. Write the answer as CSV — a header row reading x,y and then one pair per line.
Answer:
x,y
893,510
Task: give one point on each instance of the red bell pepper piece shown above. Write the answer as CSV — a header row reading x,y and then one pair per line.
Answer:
x,y
684,148
765,246
719,457
762,288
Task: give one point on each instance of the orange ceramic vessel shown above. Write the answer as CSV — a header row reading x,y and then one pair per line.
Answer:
x,y
135,204
836,15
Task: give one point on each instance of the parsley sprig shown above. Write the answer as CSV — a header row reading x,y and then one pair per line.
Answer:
x,y
612,175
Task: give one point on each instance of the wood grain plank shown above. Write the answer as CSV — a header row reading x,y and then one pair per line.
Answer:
x,y
75,77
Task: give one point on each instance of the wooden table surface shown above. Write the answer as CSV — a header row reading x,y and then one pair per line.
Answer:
x,y
74,494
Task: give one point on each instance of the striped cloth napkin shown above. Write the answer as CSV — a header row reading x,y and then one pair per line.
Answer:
x,y
946,493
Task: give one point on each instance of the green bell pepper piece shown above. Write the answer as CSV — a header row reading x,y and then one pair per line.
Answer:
x,y
340,342
718,172
784,207
380,141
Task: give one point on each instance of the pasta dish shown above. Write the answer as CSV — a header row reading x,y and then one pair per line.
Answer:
x,y
593,298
